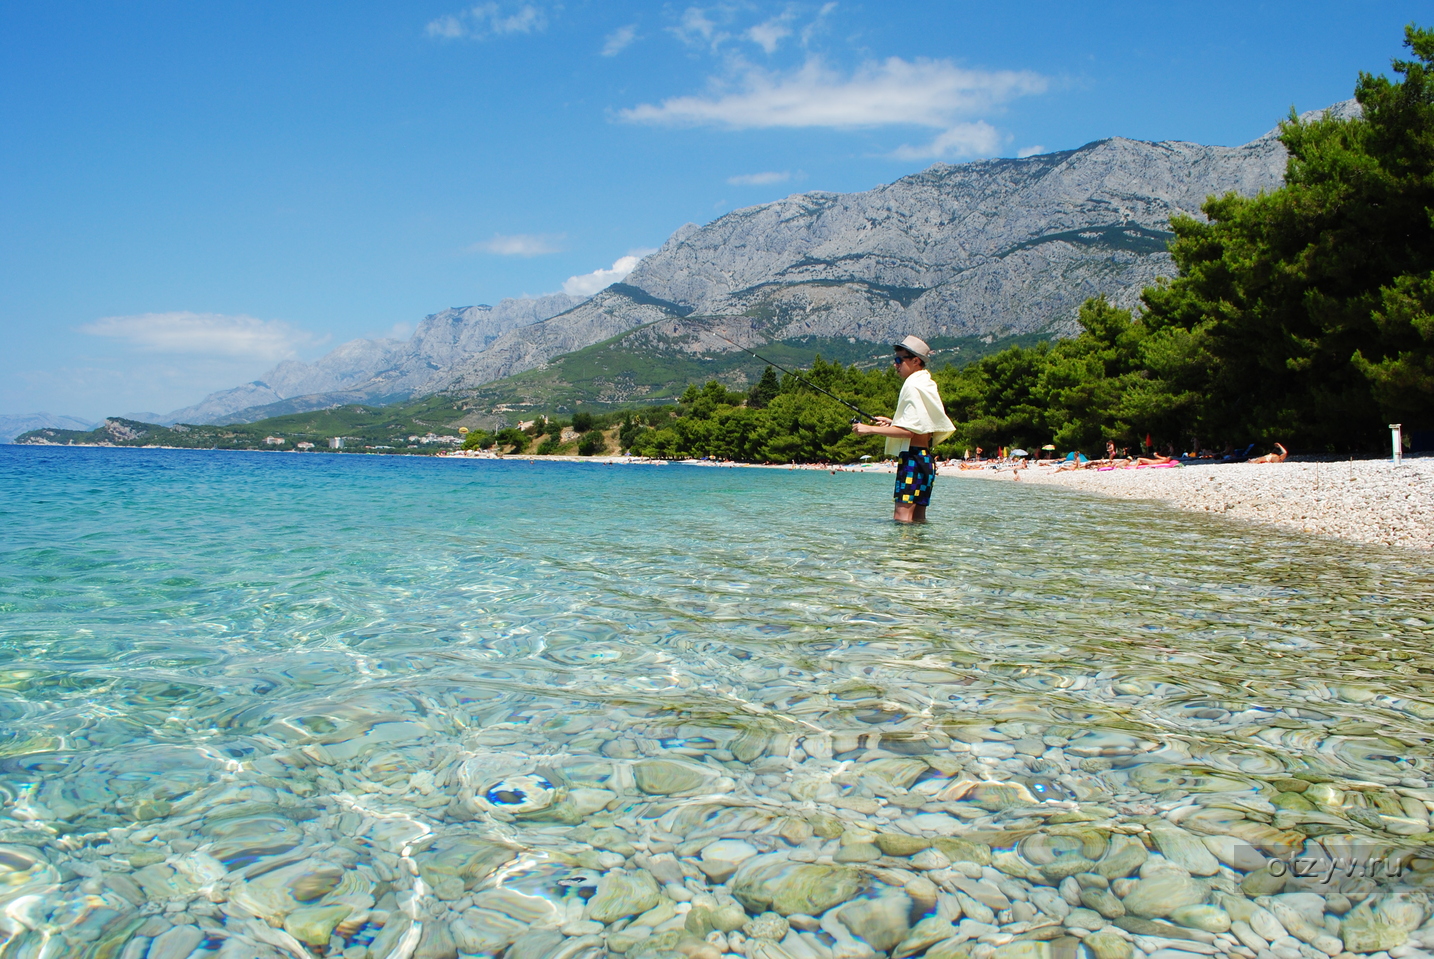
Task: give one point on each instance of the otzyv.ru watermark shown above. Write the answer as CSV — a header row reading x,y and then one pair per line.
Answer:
x,y
1326,869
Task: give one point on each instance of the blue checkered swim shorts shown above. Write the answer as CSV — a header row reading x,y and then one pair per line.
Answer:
x,y
915,472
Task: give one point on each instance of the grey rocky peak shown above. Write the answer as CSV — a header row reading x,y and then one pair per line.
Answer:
x,y
995,247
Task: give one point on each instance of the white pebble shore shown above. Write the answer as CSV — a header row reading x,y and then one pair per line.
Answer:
x,y
1367,501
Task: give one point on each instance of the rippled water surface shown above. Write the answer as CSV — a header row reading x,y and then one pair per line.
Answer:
x,y
278,705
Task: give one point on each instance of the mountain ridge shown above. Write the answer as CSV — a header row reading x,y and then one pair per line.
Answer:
x,y
14,424
373,370
998,248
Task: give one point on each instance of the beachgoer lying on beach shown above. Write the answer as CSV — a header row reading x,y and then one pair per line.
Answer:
x,y
1273,457
920,422
1156,460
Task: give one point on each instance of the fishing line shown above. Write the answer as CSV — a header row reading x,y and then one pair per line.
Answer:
x,y
799,377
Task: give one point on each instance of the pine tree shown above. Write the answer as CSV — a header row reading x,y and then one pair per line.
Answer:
x,y
764,390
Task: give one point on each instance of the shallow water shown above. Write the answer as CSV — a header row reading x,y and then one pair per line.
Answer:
x,y
258,686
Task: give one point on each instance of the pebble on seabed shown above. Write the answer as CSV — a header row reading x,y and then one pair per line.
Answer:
x,y
830,846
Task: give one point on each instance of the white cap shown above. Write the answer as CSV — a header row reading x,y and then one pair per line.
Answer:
x,y
913,344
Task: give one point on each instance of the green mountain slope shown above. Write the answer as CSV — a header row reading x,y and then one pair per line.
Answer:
x,y
651,365
641,367
369,428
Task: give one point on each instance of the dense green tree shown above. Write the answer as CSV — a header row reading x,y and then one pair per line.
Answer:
x,y
1307,311
764,390
478,439
582,422
799,425
631,427
514,438
1114,381
593,443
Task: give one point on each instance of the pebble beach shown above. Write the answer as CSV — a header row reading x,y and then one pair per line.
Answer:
x,y
1367,501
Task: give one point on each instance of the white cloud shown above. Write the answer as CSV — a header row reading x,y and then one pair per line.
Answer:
x,y
759,179
697,29
929,93
448,27
618,40
520,244
770,34
961,140
589,283
488,19
818,22
1024,152
204,334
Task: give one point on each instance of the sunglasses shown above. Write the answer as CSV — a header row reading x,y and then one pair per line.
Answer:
x,y
900,358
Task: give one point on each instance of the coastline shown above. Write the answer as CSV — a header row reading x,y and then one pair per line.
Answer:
x,y
1363,501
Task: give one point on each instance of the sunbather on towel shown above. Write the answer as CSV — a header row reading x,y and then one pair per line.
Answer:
x,y
1273,457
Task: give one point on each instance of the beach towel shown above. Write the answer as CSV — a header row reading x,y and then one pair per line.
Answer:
x,y
919,410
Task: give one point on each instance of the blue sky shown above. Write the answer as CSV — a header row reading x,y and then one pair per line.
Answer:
x,y
191,192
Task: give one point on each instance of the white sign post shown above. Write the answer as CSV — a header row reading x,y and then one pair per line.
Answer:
x,y
1396,436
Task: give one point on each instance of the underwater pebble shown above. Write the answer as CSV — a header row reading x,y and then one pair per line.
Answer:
x,y
772,882
768,925
620,895
177,943
1207,917
882,922
1185,850
1158,896
1105,945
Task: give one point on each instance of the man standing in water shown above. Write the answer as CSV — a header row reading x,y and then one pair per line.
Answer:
x,y
919,424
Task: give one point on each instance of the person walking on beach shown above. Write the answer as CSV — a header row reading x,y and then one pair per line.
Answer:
x,y
919,424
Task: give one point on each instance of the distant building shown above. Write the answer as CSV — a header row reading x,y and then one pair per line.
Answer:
x,y
336,442
305,445
273,441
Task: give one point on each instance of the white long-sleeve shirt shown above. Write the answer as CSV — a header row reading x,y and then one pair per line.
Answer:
x,y
919,410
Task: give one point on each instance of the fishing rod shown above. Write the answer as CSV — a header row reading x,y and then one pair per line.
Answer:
x,y
857,409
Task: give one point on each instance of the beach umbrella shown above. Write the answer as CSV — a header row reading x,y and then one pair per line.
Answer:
x,y
866,457
1019,453
1049,446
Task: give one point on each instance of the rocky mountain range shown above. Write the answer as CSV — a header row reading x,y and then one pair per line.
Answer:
x,y
12,425
373,371
990,249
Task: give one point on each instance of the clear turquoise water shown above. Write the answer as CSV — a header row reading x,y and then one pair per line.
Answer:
x,y
176,626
